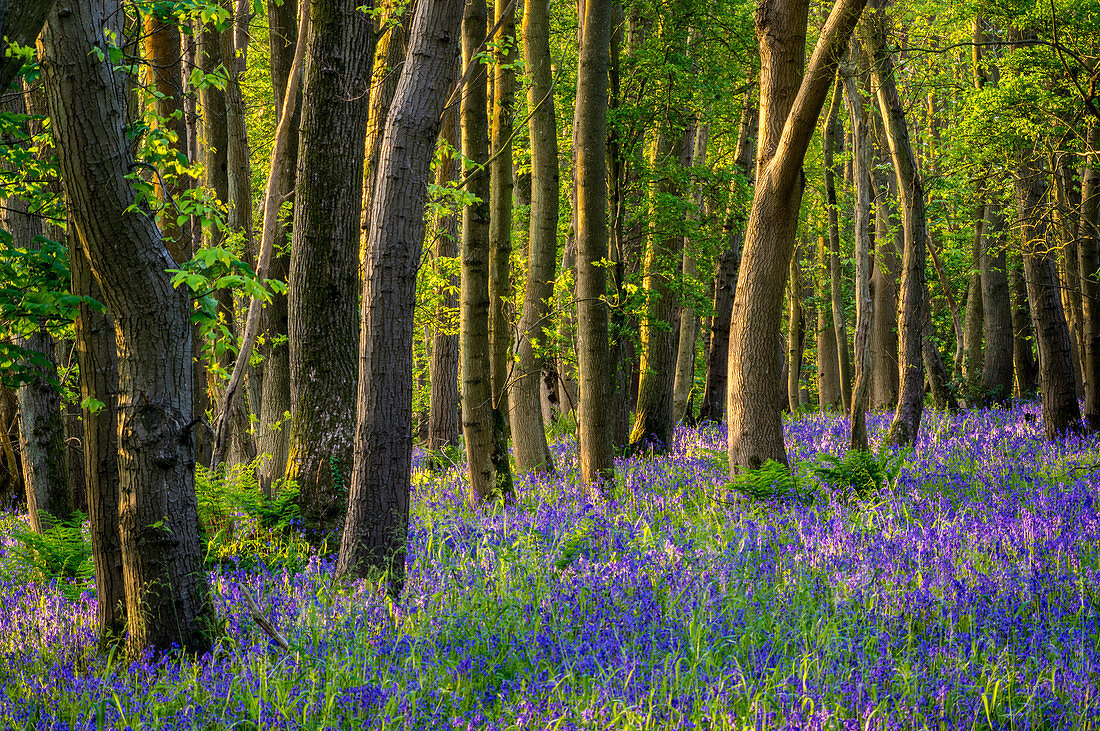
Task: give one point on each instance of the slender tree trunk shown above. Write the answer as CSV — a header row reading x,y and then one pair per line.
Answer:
x,y
324,260
376,528
1067,207
713,406
95,337
796,332
833,134
500,206
884,290
1061,412
684,383
973,360
906,423
443,423
861,173
1089,253
166,590
593,348
996,386
482,422
828,360
535,330
1023,353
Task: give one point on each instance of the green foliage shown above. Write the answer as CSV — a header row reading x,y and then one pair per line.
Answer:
x,y
62,553
772,481
859,475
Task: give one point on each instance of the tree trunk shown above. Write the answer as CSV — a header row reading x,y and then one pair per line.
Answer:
x,y
796,332
828,360
376,528
482,422
1023,354
1089,253
861,174
324,260
167,598
713,406
1061,412
20,23
903,430
653,424
973,360
833,132
684,383
884,289
95,337
535,330
1067,207
500,206
273,435
996,386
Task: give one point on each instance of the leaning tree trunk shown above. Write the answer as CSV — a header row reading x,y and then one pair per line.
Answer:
x,y
996,385
790,107
536,328
903,430
482,422
713,406
593,347
376,528
167,596
95,337
324,260
861,174
1061,412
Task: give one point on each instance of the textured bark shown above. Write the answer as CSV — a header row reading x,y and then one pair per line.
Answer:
x,y
482,422
1061,412
500,205
903,430
653,424
11,475
884,290
20,23
832,145
796,332
593,348
973,358
996,385
684,384
1067,195
443,426
377,524
1023,353
324,260
713,405
167,600
535,328
95,347
41,433
790,106
1089,253
861,174
828,361
273,434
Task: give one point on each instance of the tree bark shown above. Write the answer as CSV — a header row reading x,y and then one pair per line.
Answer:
x,y
500,205
535,329
903,430
20,23
973,360
828,359
832,170
790,106
324,260
482,422
377,524
1089,253
684,383
796,331
593,348
713,405
884,289
1023,354
167,602
996,385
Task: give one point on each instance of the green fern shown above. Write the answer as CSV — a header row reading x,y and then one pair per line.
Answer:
x,y
772,481
62,552
859,475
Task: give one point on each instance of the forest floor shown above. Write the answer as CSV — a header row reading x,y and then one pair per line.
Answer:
x,y
963,594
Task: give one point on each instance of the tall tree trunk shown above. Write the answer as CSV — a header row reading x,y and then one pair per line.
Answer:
x,y
324,260
684,383
884,289
653,424
1061,412
796,331
167,600
376,528
20,23
713,405
861,173
482,422
906,423
500,206
973,360
95,337
996,385
593,348
1089,253
833,135
1067,196
443,425
273,432
828,359
535,329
